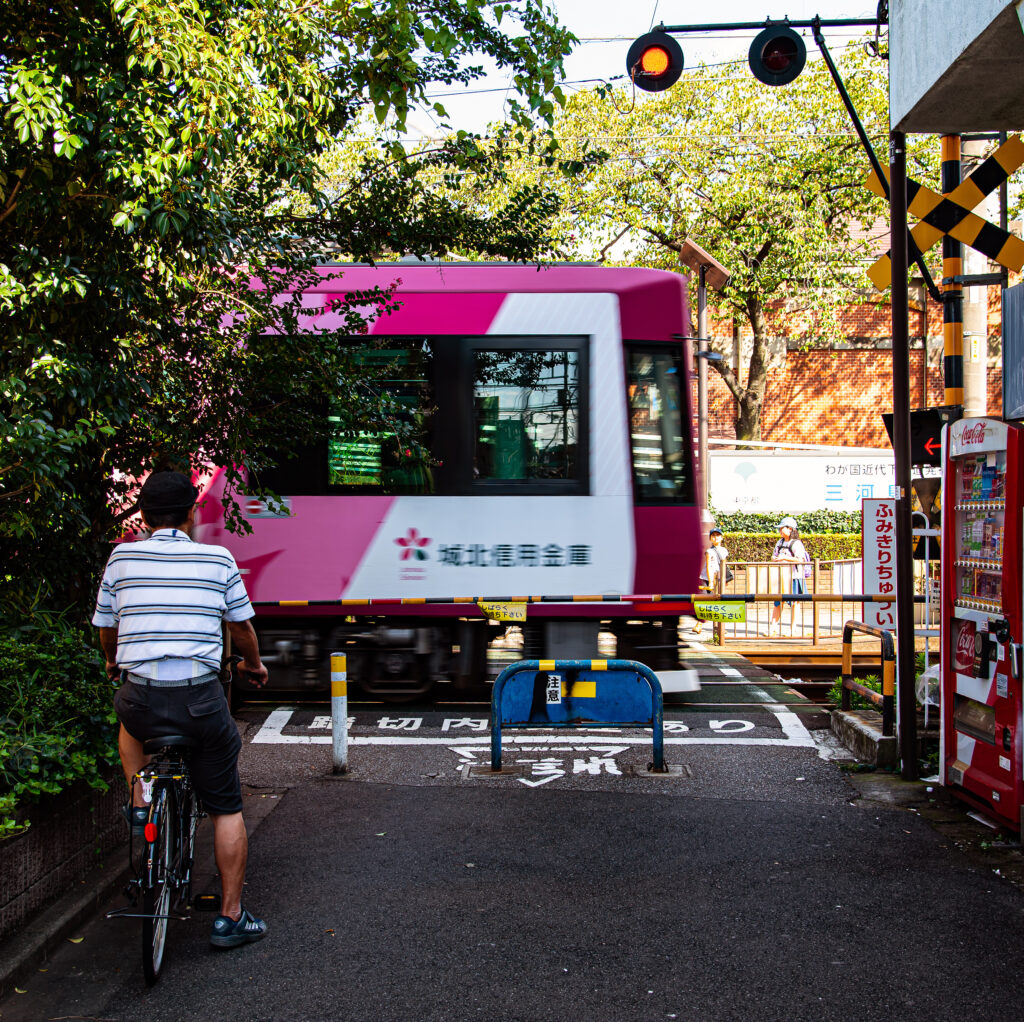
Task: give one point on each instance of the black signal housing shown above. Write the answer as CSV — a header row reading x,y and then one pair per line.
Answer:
x,y
777,55
654,62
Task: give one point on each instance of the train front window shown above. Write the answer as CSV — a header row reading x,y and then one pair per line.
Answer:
x,y
392,459
526,415
658,440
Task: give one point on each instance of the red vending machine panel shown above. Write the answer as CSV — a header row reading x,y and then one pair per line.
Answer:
x,y
982,491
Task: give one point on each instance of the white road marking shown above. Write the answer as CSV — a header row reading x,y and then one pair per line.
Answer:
x,y
730,672
271,733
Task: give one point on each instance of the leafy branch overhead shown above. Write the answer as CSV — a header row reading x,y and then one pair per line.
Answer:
x,y
162,194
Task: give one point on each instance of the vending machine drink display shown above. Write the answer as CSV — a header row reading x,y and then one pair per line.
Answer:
x,y
982,552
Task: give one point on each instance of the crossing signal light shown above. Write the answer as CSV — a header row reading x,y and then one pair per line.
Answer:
x,y
777,55
654,61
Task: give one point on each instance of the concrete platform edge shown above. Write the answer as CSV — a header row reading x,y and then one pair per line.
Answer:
x,y
861,732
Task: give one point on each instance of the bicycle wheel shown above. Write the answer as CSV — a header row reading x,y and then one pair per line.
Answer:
x,y
188,815
158,882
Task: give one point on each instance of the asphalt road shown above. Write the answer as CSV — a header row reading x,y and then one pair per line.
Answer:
x,y
757,885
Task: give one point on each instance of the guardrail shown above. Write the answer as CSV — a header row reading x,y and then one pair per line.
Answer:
x,y
578,693
830,581
887,700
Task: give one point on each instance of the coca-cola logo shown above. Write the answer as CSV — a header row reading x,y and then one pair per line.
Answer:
x,y
965,645
973,434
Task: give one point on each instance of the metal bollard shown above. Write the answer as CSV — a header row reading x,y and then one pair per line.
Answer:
x,y
339,712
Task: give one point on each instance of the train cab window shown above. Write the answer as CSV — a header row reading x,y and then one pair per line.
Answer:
x,y
658,440
379,461
526,416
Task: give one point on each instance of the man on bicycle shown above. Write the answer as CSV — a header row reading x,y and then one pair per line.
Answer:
x,y
159,613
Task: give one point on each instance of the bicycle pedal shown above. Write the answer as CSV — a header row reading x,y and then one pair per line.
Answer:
x,y
206,902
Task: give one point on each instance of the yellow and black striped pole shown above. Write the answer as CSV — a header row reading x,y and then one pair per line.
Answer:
x,y
953,295
339,712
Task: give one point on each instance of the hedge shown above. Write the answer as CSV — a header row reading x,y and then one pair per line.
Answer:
x,y
758,546
808,522
57,723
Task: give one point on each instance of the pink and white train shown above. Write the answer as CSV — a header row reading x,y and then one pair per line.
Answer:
x,y
555,403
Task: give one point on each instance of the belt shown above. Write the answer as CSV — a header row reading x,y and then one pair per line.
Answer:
x,y
203,679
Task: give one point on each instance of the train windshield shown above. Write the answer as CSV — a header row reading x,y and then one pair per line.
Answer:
x,y
525,415
660,448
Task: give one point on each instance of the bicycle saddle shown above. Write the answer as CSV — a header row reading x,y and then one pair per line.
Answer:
x,y
180,743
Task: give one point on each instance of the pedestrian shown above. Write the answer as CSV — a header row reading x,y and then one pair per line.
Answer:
x,y
713,571
159,613
788,550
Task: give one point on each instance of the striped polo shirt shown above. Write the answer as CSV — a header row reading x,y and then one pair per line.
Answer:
x,y
167,597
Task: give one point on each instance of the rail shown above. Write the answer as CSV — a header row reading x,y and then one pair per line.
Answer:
x,y
887,699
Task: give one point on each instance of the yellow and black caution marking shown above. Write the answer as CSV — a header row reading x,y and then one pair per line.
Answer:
x,y
942,215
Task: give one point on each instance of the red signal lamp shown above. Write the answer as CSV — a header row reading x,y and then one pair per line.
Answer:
x,y
654,62
777,55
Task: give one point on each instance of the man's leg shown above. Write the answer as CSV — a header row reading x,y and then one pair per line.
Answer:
x,y
231,850
133,759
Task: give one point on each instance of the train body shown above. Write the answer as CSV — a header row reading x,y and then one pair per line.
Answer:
x,y
555,404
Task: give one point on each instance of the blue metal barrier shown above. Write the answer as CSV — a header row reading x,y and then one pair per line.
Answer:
x,y
577,693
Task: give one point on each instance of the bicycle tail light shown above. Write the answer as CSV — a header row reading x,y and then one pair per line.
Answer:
x,y
150,832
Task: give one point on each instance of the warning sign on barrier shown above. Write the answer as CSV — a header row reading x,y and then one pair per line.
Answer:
x,y
503,611
705,610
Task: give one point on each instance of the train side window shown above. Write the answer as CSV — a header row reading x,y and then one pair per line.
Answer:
x,y
377,461
658,440
526,419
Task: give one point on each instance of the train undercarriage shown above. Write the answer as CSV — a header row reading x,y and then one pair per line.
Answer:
x,y
411,659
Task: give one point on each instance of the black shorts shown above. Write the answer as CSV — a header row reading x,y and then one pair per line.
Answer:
x,y
197,711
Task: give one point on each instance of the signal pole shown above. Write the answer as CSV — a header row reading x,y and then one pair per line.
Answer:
x,y
905,668
952,294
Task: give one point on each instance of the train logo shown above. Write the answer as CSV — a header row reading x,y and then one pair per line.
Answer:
x,y
412,544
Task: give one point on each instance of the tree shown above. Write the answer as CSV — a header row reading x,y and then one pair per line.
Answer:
x,y
161,207
770,181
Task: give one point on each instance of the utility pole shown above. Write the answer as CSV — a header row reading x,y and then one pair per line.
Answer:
x,y
709,271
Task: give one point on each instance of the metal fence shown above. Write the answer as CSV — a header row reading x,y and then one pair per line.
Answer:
x,y
823,619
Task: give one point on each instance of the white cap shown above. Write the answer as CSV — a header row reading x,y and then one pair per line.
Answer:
x,y
791,522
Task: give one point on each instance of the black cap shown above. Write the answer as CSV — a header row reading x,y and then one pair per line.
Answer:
x,y
716,529
167,491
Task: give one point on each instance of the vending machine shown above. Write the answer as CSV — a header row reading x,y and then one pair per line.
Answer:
x,y
982,561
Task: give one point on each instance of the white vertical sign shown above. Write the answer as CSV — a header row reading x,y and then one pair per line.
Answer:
x,y
878,542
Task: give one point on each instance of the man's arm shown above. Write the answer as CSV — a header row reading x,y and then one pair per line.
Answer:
x,y
243,636
108,642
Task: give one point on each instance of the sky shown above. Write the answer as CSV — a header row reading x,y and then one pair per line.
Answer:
x,y
606,28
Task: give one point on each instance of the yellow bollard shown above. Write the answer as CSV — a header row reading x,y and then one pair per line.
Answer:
x,y
339,712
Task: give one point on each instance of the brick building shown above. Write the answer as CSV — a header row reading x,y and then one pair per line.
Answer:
x,y
836,395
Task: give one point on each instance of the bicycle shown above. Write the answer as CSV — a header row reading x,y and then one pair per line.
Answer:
x,y
163,870
162,873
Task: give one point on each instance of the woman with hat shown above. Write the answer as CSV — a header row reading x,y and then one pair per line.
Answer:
x,y
788,550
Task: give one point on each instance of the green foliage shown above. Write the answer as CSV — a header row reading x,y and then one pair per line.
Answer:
x,y
148,151
758,546
57,724
769,181
823,521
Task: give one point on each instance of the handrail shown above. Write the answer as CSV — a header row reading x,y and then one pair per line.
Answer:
x,y
887,700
